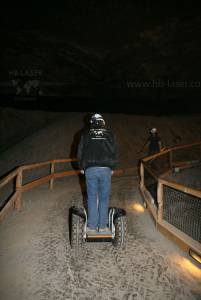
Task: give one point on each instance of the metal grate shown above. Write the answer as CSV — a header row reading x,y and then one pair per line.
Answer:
x,y
182,211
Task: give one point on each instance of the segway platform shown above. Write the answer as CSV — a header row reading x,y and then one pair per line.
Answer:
x,y
79,234
98,236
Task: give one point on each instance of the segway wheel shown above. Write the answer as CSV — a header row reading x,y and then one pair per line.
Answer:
x,y
77,232
120,231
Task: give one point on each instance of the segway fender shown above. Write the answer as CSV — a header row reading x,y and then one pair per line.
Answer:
x,y
79,211
119,212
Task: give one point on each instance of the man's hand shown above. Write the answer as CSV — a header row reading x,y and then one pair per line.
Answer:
x,y
82,172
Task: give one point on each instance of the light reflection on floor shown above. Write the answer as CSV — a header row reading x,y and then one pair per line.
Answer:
x,y
137,207
187,267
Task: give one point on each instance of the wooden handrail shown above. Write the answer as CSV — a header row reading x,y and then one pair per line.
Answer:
x,y
36,182
65,160
44,163
36,165
185,146
180,187
20,188
15,200
9,177
151,157
177,235
9,205
170,150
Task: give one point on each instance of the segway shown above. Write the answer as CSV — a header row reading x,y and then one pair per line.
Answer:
x,y
78,228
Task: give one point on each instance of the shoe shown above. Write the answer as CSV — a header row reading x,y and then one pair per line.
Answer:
x,y
91,230
105,229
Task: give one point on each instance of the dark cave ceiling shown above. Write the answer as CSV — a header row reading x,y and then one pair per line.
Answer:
x,y
116,48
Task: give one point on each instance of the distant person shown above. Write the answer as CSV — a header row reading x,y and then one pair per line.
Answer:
x,y
153,141
97,155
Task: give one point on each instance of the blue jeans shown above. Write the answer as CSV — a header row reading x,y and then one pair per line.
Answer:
x,y
98,181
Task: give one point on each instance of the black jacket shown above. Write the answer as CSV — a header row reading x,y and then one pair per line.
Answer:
x,y
97,147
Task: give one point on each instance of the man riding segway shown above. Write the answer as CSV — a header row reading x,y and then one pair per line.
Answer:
x,y
97,155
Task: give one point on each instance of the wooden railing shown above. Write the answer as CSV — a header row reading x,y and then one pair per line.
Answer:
x,y
15,200
181,238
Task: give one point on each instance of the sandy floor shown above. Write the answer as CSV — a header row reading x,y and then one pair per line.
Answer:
x,y
36,260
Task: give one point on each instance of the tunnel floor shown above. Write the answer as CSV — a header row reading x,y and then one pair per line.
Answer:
x,y
36,261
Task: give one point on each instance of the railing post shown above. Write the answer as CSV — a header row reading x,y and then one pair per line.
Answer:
x,y
52,172
160,200
141,175
18,202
